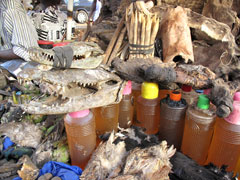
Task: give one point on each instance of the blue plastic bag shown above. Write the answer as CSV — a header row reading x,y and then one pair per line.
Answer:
x,y
7,143
62,170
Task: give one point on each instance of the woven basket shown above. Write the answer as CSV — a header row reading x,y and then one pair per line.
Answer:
x,y
195,5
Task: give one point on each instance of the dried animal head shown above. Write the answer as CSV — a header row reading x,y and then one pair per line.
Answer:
x,y
86,55
72,90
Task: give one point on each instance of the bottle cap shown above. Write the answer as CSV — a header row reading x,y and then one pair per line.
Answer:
x,y
206,91
175,95
234,117
45,42
236,96
186,88
128,88
199,91
203,102
79,114
149,90
61,44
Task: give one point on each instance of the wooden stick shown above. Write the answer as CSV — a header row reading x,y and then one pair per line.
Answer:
x,y
117,45
155,26
113,40
148,31
135,35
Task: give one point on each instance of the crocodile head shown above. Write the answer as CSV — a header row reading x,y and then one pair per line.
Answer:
x,y
86,55
71,90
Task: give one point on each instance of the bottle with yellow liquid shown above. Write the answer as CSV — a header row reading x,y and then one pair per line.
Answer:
x,y
106,118
81,136
125,116
225,146
148,108
198,129
172,117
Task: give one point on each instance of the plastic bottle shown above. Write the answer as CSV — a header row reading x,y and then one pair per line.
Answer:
x,y
172,111
188,94
106,118
125,116
163,93
225,146
81,136
136,91
198,129
148,106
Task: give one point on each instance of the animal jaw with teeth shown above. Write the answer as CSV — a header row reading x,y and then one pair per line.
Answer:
x,y
72,90
86,55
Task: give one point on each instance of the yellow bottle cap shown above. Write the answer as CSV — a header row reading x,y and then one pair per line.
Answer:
x,y
149,90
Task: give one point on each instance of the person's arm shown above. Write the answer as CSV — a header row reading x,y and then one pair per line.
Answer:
x,y
23,32
8,55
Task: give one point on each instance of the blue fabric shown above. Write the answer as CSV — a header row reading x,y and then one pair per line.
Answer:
x,y
17,178
62,170
7,143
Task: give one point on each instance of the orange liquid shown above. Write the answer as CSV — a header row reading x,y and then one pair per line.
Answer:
x,y
148,114
125,117
136,91
197,136
106,118
225,146
81,136
163,93
172,124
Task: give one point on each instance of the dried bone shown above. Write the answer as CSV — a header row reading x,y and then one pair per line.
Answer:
x,y
176,36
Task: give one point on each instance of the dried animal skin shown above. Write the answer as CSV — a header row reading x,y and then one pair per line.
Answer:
x,y
23,133
222,12
150,163
106,158
176,36
28,171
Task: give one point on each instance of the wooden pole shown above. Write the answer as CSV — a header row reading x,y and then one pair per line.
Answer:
x,y
69,19
113,41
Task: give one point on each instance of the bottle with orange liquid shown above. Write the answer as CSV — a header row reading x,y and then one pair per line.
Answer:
x,y
106,118
148,106
172,117
125,116
225,146
198,129
81,136
136,91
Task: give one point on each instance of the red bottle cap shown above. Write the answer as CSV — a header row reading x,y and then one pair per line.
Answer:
x,y
175,95
186,88
79,114
42,42
60,44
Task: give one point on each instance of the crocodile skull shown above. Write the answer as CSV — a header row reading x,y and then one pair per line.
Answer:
x,y
86,55
72,90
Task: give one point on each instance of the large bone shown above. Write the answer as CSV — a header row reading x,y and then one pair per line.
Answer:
x,y
176,36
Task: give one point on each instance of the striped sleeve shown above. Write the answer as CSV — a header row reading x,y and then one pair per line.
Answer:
x,y
23,32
